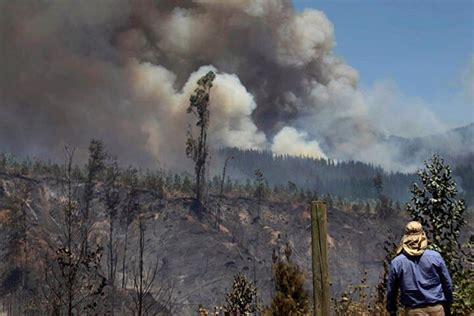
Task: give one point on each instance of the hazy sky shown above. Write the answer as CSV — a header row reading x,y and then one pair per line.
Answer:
x,y
421,47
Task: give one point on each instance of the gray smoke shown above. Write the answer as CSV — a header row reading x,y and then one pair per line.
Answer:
x,y
468,80
122,71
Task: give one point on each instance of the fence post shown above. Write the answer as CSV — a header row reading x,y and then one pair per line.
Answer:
x,y
319,256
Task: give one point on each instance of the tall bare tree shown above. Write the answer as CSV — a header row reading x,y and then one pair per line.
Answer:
x,y
112,201
221,191
94,167
259,193
72,279
128,214
148,298
196,147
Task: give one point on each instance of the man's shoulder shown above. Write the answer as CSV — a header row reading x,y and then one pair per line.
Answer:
x,y
433,256
399,258
431,253
427,253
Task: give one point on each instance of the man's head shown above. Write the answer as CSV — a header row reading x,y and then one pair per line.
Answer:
x,y
414,241
413,228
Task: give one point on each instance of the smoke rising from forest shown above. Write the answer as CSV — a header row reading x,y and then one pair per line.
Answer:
x,y
123,71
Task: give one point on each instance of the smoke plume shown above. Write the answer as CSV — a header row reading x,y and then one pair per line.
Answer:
x,y
123,71
468,80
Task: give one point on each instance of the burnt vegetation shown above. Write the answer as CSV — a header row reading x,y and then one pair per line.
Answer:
x,y
76,239
102,239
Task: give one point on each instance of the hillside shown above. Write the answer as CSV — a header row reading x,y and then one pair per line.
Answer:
x,y
198,259
195,258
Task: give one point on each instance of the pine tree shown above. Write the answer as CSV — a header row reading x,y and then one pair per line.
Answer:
x,y
436,207
291,298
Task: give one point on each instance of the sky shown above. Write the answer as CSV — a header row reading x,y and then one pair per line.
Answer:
x,y
422,48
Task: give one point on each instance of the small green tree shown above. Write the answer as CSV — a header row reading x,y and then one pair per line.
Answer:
x,y
436,207
291,298
240,299
196,147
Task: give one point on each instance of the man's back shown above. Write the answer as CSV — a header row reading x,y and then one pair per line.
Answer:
x,y
423,280
421,276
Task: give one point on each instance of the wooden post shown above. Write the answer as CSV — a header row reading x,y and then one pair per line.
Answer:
x,y
319,254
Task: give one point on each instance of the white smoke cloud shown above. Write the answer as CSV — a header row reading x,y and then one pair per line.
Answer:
x,y
290,141
231,107
231,110
400,115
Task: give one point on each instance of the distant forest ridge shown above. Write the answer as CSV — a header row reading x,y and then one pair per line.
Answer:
x,y
351,180
347,179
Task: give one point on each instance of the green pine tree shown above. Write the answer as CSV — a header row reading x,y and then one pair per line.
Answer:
x,y
434,204
291,297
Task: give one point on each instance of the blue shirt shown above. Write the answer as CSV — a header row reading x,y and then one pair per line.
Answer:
x,y
422,280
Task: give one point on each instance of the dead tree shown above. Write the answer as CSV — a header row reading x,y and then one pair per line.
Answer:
x,y
259,194
221,190
112,201
73,283
146,298
94,167
128,214
16,256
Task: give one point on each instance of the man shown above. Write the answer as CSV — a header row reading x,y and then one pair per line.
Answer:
x,y
421,275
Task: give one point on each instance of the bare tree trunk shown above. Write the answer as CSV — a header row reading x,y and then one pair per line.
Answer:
x,y
144,282
128,215
221,190
112,200
124,259
69,223
141,276
112,265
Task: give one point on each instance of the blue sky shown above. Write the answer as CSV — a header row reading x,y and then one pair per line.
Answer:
x,y
422,46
